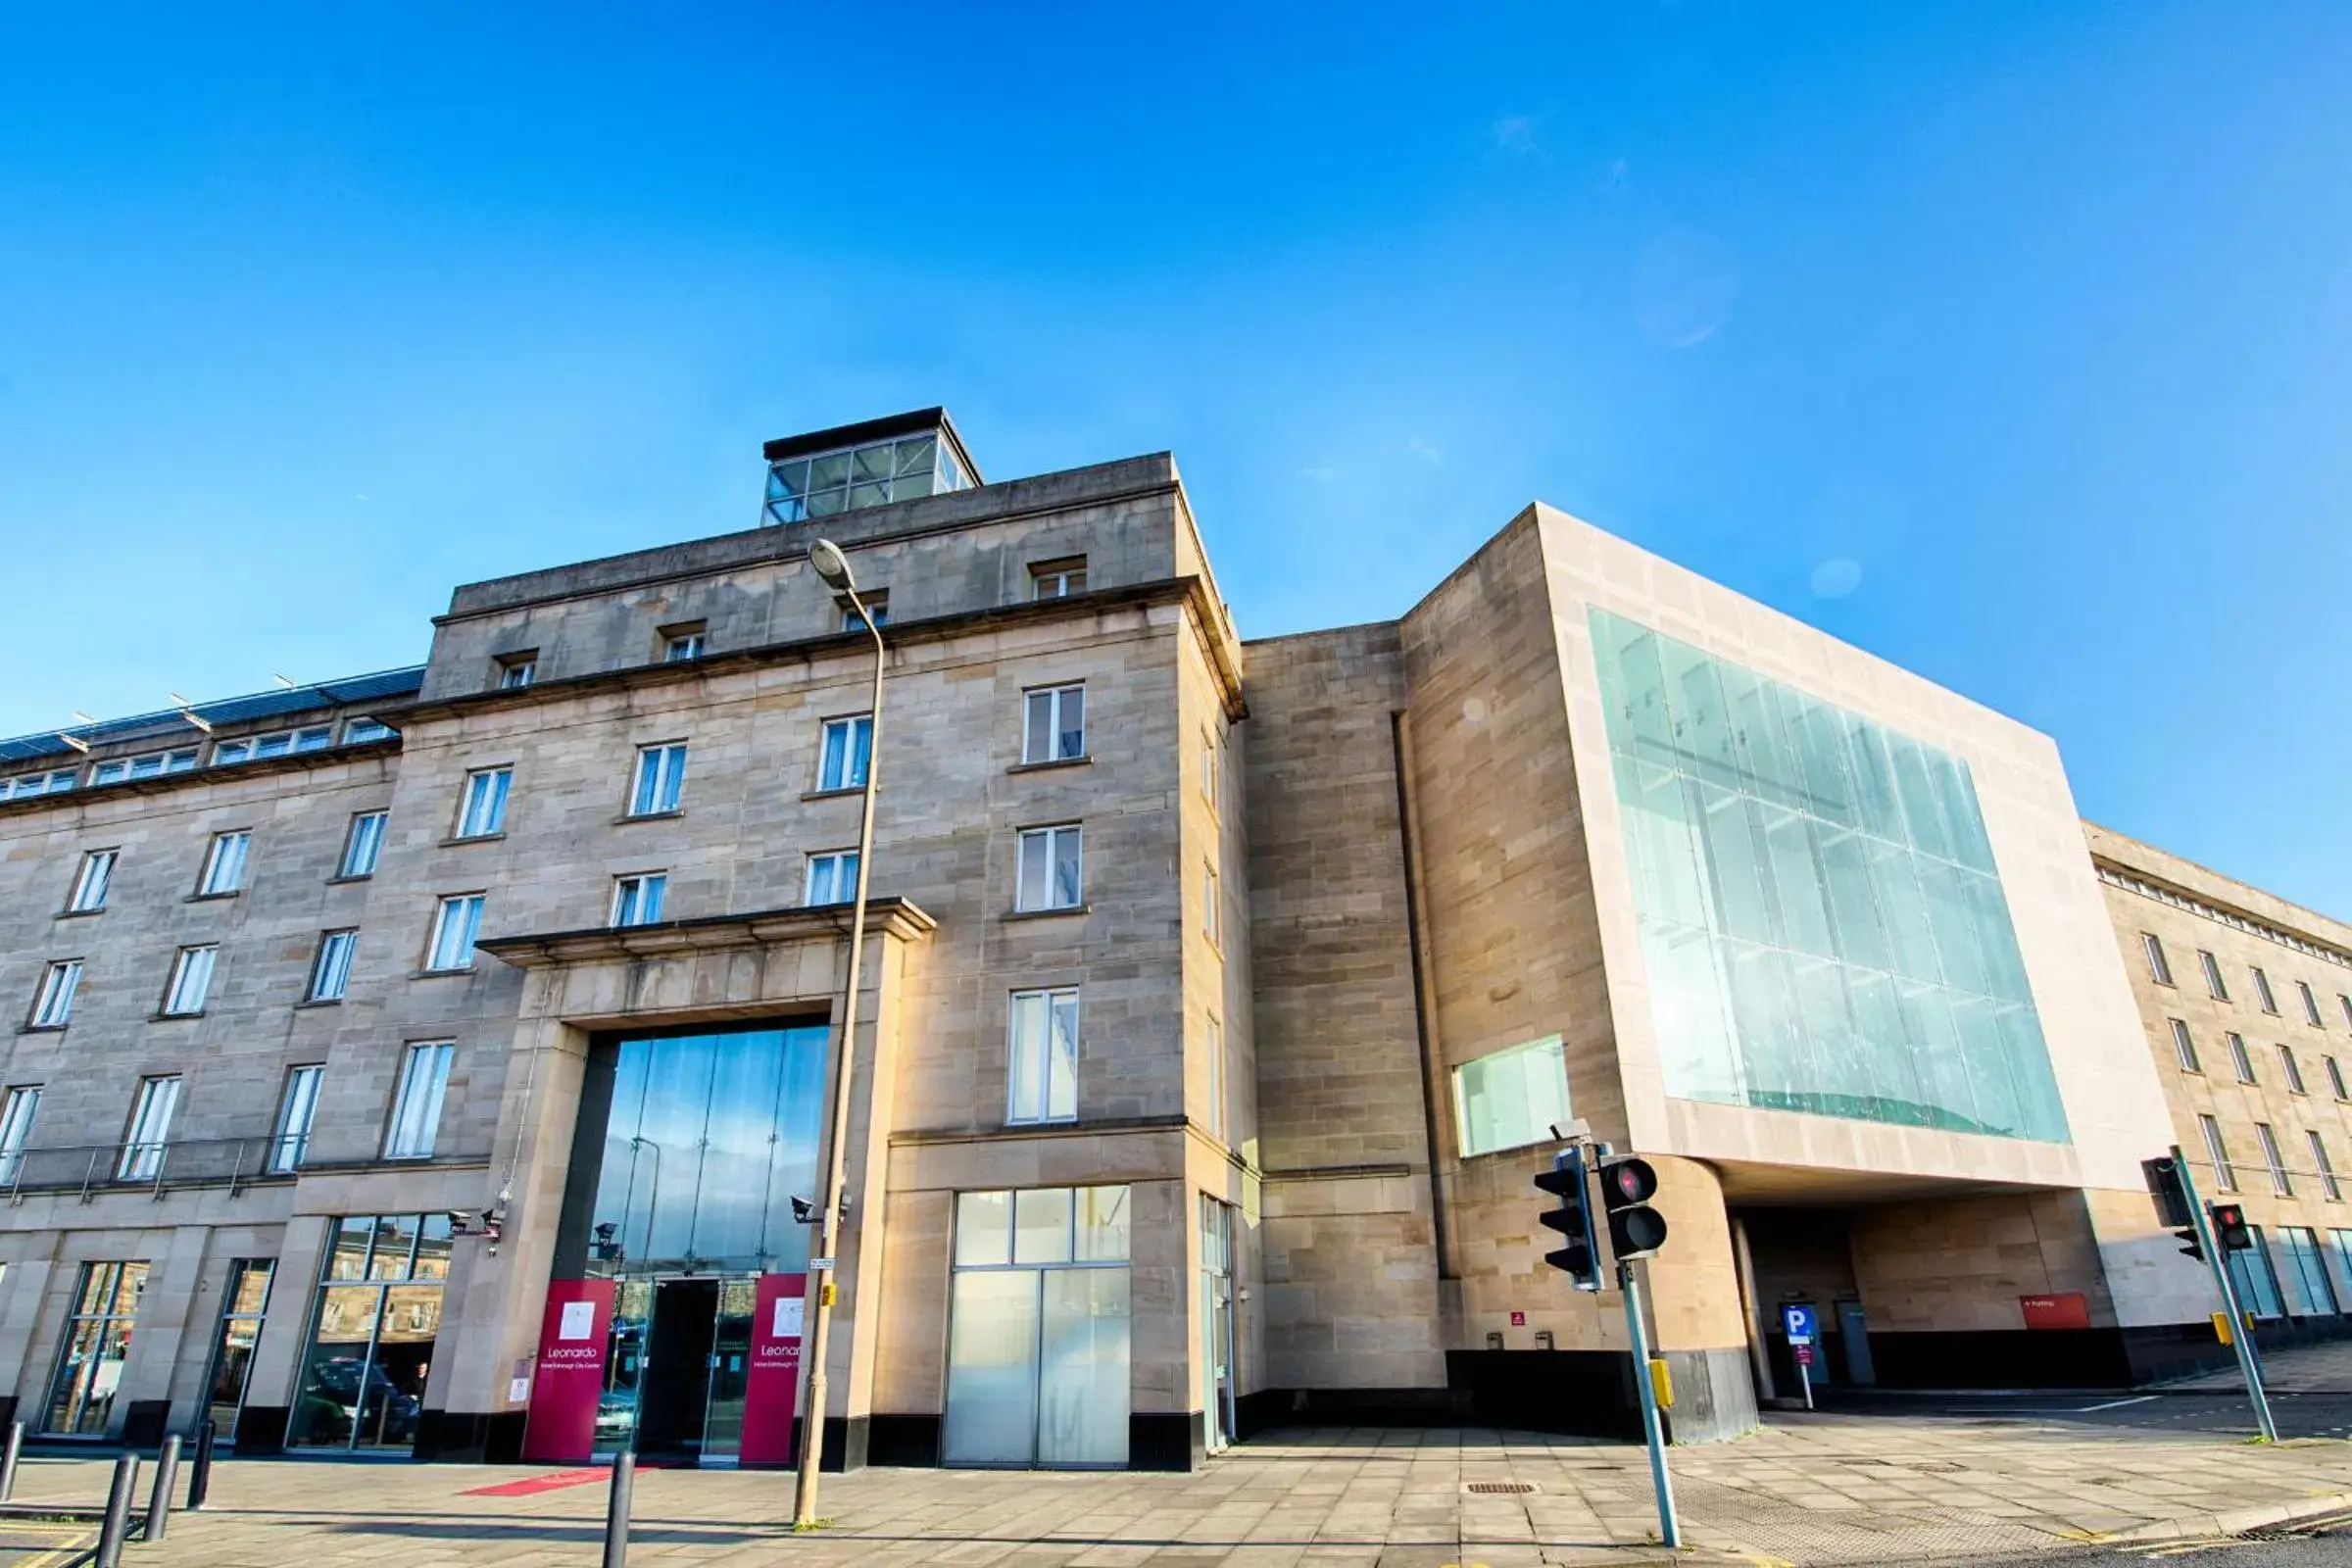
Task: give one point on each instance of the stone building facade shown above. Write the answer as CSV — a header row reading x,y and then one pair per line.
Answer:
x,y
436,1062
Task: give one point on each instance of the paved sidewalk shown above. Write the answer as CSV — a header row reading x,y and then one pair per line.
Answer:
x,y
2305,1369
1821,1488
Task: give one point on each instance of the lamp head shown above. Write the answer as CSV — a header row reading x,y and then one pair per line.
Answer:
x,y
832,566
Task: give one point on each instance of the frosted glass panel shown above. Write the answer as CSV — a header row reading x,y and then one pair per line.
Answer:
x,y
1082,1384
992,1368
1512,1097
1824,926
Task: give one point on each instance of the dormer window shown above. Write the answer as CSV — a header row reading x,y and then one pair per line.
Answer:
x,y
869,464
682,642
518,670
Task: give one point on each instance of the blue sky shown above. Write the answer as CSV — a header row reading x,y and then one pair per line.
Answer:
x,y
2012,342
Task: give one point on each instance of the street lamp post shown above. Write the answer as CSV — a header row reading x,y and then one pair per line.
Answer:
x,y
834,568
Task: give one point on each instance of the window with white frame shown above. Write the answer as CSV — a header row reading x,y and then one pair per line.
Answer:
x,y
224,864
295,1113
278,743
1043,1072
2213,975
416,1107
1211,917
850,621
2262,990
1058,579
518,670
1214,1044
358,731
149,764
2335,1078
661,779
2344,1003
637,898
2240,1058
1511,1098
330,970
2225,1174
90,881
2271,1156
456,924
15,1126
682,643
53,1002
1052,868
150,1129
2293,1071
482,804
2160,968
2184,1049
1054,724
191,980
847,752
2311,1006
832,877
362,845
54,782
2326,1167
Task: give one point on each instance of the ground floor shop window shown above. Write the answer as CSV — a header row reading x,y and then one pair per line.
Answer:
x,y
2255,1280
242,1305
106,1301
372,1336
1217,1367
2307,1266
1037,1328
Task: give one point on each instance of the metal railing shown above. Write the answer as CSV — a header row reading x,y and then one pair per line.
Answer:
x,y
89,1169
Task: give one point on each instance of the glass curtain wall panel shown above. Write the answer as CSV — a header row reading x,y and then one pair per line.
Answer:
x,y
1825,927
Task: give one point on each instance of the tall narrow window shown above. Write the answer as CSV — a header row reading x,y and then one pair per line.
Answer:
x,y
191,981
2335,1078
224,864
295,1113
2225,1175
416,1109
2262,990
482,807
53,1002
1058,579
150,1129
81,1398
1054,724
2239,1058
1211,914
1050,873
832,877
1208,769
637,900
2183,1047
15,1126
848,751
330,970
90,883
518,670
362,845
1215,1045
455,926
2344,1004
2213,975
661,779
2311,1006
2159,969
2326,1167
2271,1156
1044,1066
2293,1071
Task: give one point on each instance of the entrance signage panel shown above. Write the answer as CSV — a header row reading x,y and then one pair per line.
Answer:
x,y
2061,1309
772,1386
569,1377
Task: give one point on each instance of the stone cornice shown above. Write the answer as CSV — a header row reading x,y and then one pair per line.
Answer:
x,y
716,933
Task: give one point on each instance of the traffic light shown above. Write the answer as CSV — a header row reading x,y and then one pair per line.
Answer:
x,y
1579,1255
2172,1204
2229,1227
1627,1185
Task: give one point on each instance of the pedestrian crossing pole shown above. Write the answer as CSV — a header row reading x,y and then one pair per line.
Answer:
x,y
1653,1432
2241,1339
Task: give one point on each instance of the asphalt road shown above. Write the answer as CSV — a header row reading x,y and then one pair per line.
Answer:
x,y
2327,1545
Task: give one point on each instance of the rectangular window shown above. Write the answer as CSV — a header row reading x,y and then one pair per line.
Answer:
x,y
371,1347
2239,1058
90,1367
850,621
417,1108
150,1129
832,877
2262,990
36,784
1058,579
295,1113
15,1126
2311,1006
2335,1078
1050,868
1210,907
2159,969
1043,1072
330,972
483,807
90,883
2269,1154
455,926
53,1002
2225,1175
682,643
363,845
2183,1047
191,980
637,900
2344,1004
224,864
518,670
2307,1266
358,731
1208,769
661,779
1054,724
846,753
2326,1167
2293,1071
278,743
151,765
1511,1098
2213,975
1216,1079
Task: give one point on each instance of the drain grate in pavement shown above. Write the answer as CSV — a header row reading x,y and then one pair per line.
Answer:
x,y
1498,1488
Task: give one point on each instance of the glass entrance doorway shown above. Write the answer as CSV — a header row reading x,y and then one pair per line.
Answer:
x,y
678,1371
1216,1323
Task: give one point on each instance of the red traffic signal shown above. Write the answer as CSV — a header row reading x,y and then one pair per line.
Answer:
x,y
2229,1227
1627,1185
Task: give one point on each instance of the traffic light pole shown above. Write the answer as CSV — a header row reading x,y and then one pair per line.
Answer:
x,y
1670,1532
2242,1338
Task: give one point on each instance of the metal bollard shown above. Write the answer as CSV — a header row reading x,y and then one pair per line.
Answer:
x,y
617,1510
159,1492
117,1512
200,1468
8,1459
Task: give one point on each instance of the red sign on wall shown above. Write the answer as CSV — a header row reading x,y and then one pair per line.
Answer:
x,y
771,1386
569,1377
2065,1309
